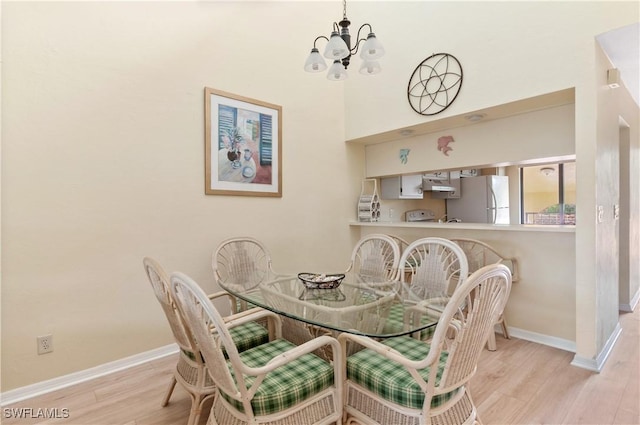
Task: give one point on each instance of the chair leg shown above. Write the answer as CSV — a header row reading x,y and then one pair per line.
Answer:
x,y
197,403
194,413
172,385
491,342
505,331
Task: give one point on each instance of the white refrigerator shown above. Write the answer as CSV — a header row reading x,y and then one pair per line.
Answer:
x,y
483,199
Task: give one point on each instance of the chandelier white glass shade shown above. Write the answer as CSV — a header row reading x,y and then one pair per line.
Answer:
x,y
339,50
337,72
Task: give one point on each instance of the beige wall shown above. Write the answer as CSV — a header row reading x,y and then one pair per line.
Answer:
x,y
520,50
508,51
540,134
103,163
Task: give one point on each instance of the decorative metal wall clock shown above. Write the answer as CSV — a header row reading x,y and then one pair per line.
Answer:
x,y
435,84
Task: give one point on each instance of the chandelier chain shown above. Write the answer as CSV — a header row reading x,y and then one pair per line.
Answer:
x,y
344,9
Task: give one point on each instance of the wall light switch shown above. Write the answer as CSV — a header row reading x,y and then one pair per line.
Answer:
x,y
616,211
600,213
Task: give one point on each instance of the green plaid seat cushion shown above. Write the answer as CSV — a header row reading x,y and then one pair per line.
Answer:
x,y
249,335
239,304
391,380
395,323
245,336
288,385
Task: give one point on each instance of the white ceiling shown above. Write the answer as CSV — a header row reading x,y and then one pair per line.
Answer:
x,y
622,46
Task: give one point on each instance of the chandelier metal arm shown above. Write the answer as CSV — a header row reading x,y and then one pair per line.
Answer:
x,y
358,39
318,38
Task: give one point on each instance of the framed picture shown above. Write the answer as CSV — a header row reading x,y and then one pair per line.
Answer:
x,y
243,146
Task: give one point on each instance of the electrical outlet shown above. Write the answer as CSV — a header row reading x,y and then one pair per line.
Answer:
x,y
45,344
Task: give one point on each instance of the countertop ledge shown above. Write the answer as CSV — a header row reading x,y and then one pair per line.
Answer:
x,y
468,226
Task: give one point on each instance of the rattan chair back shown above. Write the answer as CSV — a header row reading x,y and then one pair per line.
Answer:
x,y
432,268
397,385
203,316
402,242
480,254
159,280
242,261
489,289
375,258
190,371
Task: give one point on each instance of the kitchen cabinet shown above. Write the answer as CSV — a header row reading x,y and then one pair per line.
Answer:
x,y
469,173
436,175
454,182
401,187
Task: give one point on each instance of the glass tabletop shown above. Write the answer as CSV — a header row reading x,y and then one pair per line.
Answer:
x,y
374,309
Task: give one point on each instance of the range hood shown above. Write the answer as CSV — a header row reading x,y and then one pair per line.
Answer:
x,y
437,186
437,182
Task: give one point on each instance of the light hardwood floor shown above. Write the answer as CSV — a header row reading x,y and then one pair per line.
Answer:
x,y
520,383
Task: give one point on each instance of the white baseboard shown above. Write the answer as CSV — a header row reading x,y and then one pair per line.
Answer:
x,y
39,388
596,364
34,390
551,341
629,308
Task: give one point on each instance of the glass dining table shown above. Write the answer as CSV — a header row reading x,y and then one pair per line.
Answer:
x,y
370,308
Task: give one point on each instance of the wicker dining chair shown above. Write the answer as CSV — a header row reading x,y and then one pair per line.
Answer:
x,y
429,270
191,370
480,254
402,242
374,259
274,383
407,381
243,262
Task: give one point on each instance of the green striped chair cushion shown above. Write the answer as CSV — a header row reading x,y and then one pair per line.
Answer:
x,y
395,323
288,385
391,380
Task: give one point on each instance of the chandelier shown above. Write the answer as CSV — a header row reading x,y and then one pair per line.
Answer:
x,y
340,51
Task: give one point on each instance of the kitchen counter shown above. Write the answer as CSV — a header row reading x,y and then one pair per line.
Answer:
x,y
467,226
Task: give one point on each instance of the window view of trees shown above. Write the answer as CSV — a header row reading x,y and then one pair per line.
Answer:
x,y
548,194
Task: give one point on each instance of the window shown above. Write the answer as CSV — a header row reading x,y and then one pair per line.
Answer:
x,y
548,194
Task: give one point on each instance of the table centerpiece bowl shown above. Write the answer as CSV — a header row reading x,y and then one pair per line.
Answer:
x,y
321,280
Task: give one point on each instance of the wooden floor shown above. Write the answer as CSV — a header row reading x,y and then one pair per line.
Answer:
x,y
520,383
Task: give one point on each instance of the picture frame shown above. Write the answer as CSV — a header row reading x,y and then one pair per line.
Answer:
x,y
243,145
